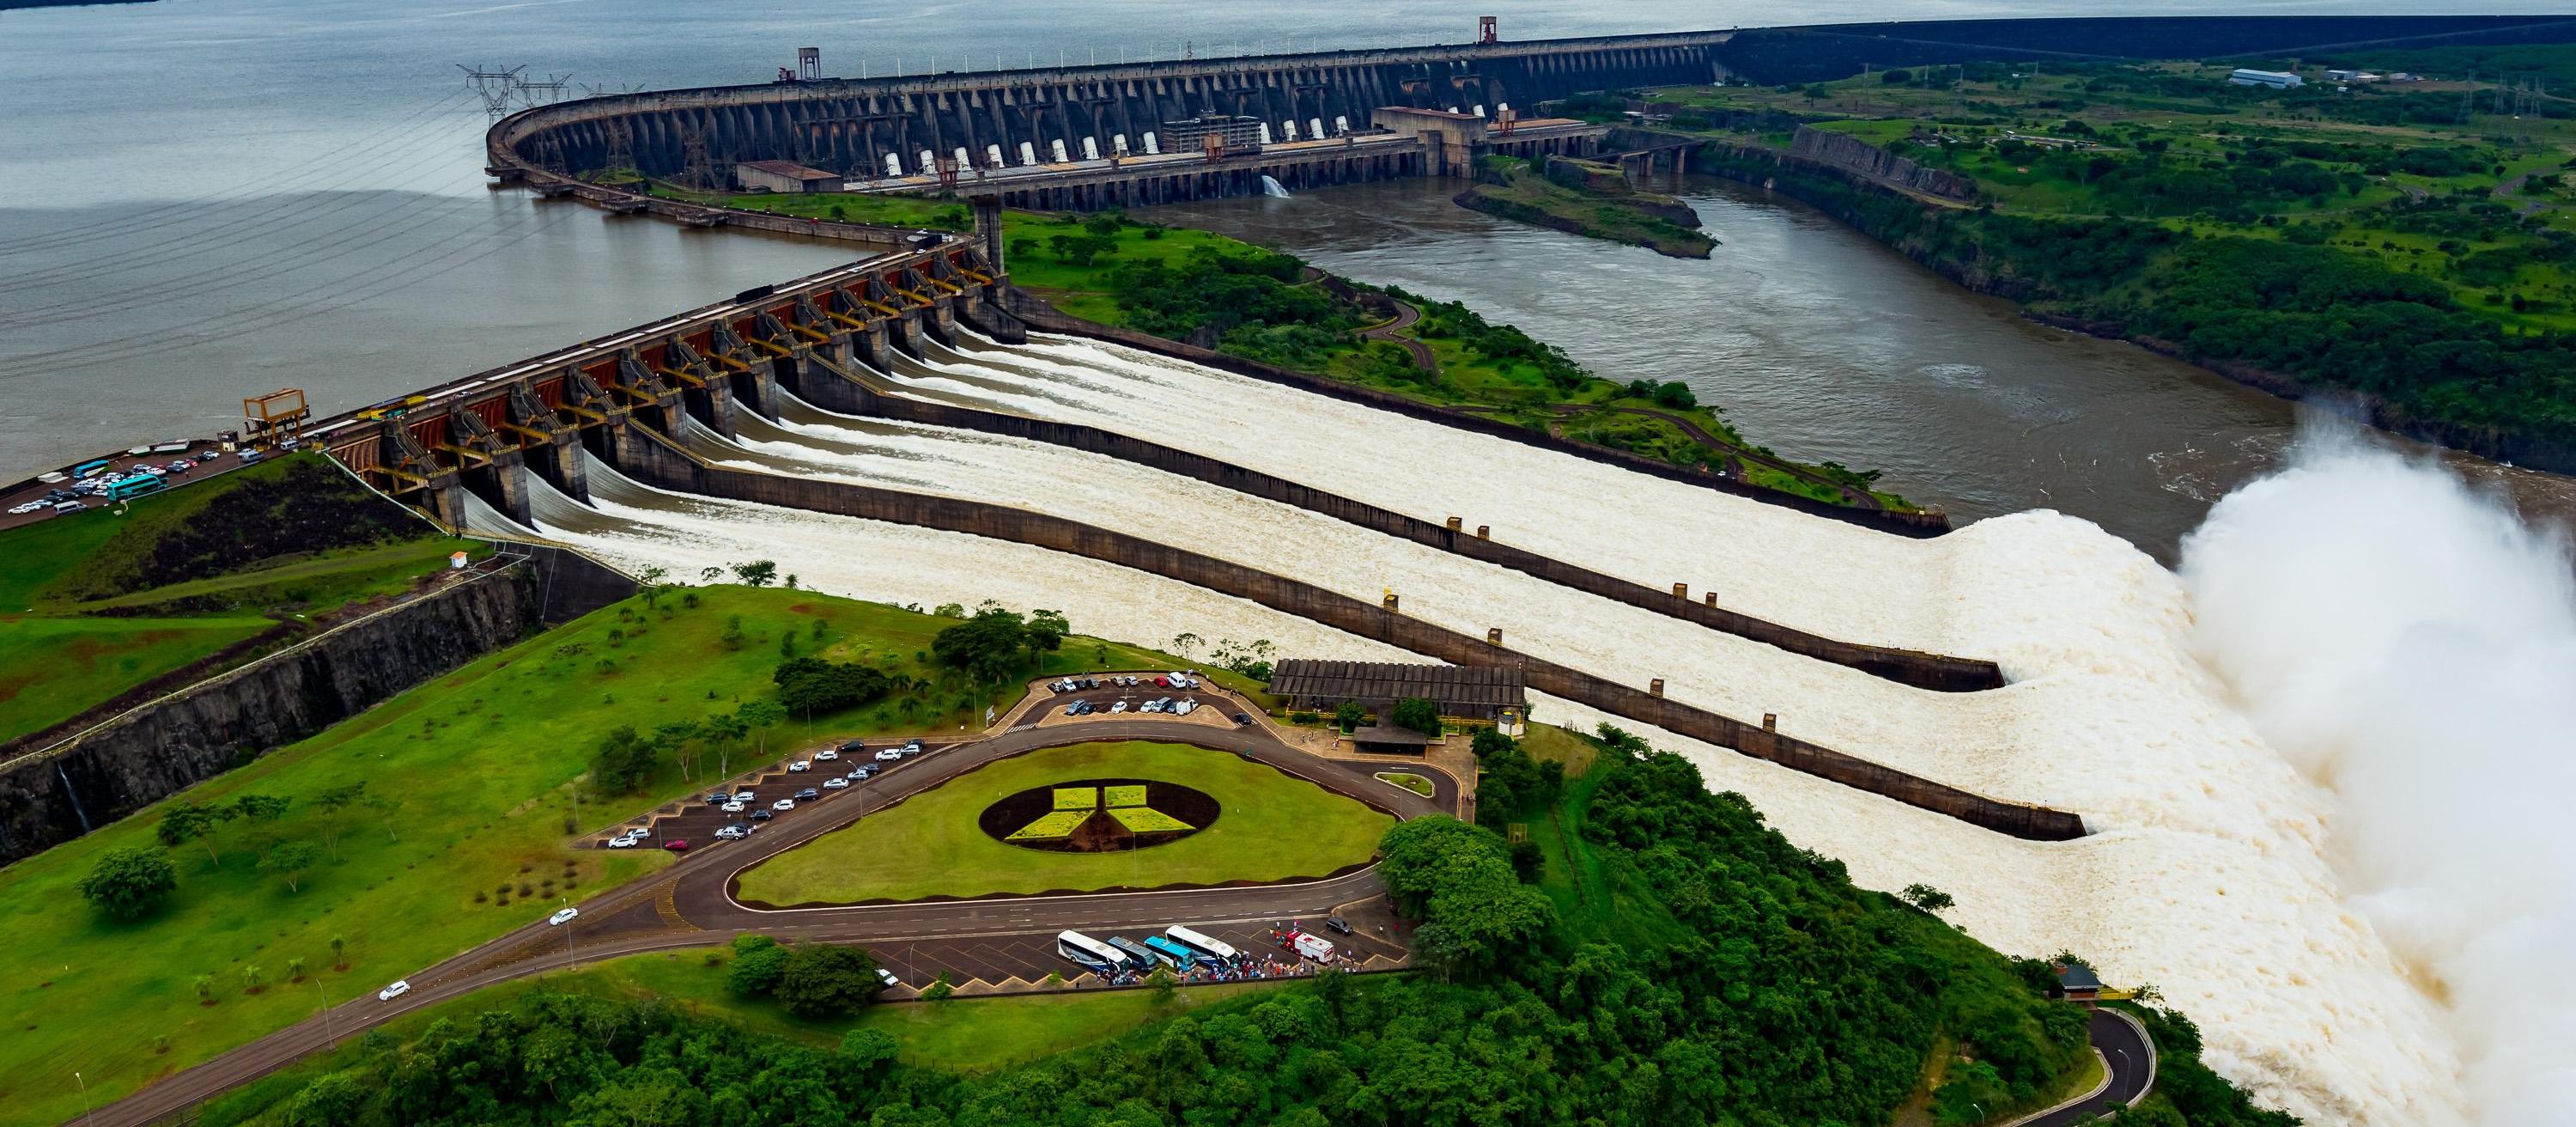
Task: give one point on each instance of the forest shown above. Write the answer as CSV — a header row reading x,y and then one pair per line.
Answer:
x,y
1731,979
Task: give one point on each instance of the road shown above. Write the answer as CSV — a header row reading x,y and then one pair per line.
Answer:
x,y
690,903
2131,1059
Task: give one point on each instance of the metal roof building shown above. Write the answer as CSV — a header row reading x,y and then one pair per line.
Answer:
x,y
785,176
1466,692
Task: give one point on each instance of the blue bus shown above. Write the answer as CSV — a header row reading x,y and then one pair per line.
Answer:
x,y
1143,958
91,468
1090,952
135,486
1181,958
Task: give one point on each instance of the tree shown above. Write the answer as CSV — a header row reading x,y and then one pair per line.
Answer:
x,y
1047,629
988,646
330,1100
337,805
732,635
677,739
868,1049
1348,714
810,685
260,807
1417,714
129,882
291,861
762,715
1163,982
710,574
622,763
650,585
1928,898
758,963
194,821
757,573
827,980
1186,643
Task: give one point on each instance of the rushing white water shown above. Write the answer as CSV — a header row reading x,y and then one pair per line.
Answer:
x,y
2209,878
2411,645
1273,189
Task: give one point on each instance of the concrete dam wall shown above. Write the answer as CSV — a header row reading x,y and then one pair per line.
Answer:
x,y
852,125
225,722
652,459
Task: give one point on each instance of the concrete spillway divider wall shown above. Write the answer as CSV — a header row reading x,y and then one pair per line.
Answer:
x,y
186,737
1034,312
655,460
1941,673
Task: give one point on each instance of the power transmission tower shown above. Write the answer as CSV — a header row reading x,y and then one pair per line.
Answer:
x,y
540,93
695,168
621,147
495,87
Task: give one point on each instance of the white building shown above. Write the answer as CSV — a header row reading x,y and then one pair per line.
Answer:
x,y
2276,79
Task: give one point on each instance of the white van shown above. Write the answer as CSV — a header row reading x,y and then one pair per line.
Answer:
x,y
1315,947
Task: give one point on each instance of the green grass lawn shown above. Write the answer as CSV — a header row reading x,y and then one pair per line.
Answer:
x,y
61,654
1409,781
1273,828
52,669
482,765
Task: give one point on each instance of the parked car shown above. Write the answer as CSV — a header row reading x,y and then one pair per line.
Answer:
x,y
854,745
887,977
1338,924
783,804
912,746
735,807
621,843
761,815
799,765
889,755
1121,706
677,845
835,783
181,466
826,755
562,917
742,796
394,991
1162,682
208,456
1243,718
808,794
29,507
862,771
733,833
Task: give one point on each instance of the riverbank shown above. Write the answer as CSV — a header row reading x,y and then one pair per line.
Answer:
x,y
1588,199
2302,242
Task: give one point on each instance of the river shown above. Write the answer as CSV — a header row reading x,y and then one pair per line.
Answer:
x,y
1822,344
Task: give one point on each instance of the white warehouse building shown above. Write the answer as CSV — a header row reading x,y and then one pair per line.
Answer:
x,y
2277,79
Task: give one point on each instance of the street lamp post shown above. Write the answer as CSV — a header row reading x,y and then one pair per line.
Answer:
x,y
86,1115
330,1039
569,960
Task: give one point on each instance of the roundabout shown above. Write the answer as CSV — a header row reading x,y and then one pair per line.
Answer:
x,y
1090,816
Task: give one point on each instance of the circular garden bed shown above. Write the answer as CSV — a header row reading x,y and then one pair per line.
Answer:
x,y
1098,815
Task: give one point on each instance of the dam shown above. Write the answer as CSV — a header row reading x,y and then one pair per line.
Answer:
x,y
1080,136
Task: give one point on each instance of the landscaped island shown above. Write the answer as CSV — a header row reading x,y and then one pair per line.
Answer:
x,y
1586,198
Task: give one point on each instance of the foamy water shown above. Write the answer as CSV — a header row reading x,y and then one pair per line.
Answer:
x,y
2208,879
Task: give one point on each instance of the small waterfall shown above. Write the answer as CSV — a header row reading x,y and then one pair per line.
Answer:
x,y
73,795
1270,187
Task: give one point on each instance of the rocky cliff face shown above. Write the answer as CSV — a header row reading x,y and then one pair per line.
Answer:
x,y
1860,158
227,721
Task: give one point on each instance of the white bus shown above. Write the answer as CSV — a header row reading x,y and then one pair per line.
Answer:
x,y
1215,949
1090,952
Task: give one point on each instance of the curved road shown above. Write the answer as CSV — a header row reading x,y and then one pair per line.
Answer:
x,y
688,904
2132,1064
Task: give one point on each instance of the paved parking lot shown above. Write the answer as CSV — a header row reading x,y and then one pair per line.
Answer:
x,y
1030,957
696,821
121,465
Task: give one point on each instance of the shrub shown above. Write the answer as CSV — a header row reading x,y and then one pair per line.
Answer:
x,y
128,883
